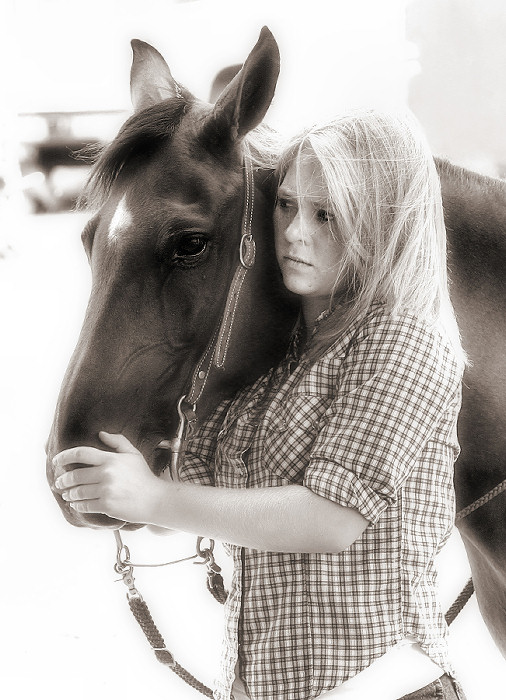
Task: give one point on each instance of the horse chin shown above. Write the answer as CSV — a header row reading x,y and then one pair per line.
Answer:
x,y
95,521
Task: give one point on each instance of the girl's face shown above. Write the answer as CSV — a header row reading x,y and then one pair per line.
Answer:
x,y
307,251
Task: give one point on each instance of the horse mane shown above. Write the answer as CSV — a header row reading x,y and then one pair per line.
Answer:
x,y
138,137
468,178
475,211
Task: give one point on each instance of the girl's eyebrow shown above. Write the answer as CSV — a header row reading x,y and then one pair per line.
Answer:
x,y
317,201
284,191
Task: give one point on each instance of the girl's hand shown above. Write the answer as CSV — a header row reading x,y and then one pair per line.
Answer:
x,y
119,484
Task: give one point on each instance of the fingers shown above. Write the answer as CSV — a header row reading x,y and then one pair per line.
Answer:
x,y
79,455
118,442
92,455
87,506
82,493
77,477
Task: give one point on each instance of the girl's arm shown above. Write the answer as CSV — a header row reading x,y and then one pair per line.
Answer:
x,y
280,519
277,519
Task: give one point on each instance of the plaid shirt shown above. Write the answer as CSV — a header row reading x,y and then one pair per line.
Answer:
x,y
371,425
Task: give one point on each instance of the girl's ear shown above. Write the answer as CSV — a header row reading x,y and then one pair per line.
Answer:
x,y
151,81
243,103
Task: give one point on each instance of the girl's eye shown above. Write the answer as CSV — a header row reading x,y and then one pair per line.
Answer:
x,y
190,248
324,216
282,203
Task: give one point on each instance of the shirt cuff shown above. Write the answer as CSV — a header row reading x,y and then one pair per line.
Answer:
x,y
344,487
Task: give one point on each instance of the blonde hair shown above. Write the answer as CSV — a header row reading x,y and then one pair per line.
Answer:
x,y
384,194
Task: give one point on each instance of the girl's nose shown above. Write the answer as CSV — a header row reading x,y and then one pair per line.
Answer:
x,y
294,231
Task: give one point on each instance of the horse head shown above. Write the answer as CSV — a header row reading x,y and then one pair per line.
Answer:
x,y
162,246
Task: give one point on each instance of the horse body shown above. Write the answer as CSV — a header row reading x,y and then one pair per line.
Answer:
x,y
163,248
475,212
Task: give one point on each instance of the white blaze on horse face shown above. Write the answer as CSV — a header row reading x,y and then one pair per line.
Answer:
x,y
122,218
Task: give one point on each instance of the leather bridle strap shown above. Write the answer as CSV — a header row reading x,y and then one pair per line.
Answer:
x,y
216,351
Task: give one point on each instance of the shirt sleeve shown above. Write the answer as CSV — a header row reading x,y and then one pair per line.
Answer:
x,y
395,385
199,455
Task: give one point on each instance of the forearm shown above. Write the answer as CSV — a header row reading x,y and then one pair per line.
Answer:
x,y
280,519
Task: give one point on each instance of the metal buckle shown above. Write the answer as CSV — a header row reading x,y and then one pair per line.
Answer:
x,y
247,251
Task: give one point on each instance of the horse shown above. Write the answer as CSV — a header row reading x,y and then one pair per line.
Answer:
x,y
163,247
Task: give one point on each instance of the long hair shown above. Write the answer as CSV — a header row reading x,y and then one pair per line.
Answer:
x,y
384,194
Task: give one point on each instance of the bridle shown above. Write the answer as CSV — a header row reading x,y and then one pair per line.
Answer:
x,y
214,355
216,351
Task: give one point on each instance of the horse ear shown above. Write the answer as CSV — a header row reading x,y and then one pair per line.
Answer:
x,y
151,81
243,103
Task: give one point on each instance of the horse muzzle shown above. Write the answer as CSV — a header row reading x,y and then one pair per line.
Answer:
x,y
91,520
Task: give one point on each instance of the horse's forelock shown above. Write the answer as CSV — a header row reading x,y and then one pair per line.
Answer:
x,y
142,132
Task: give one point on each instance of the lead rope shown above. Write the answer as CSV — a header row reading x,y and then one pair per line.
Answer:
x,y
468,589
141,612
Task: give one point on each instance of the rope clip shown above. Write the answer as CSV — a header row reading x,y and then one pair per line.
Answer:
x,y
206,553
124,567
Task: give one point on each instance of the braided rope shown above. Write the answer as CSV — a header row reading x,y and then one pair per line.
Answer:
x,y
143,616
468,589
216,586
481,501
460,602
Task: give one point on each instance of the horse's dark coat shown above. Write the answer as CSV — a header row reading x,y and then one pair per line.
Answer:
x,y
475,213
162,250
174,174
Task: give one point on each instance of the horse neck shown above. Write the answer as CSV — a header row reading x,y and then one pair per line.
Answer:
x,y
475,206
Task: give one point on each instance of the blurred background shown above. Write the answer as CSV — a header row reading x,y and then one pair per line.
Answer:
x,y
64,80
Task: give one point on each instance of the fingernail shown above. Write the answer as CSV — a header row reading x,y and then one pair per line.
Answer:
x,y
57,483
64,496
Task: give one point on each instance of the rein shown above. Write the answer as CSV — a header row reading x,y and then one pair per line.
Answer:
x,y
214,355
468,589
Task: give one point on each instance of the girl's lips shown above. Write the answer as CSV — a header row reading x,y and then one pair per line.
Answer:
x,y
292,258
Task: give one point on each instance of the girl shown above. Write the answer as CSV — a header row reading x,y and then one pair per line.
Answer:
x,y
331,477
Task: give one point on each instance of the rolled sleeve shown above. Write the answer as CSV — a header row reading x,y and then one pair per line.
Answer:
x,y
344,487
395,385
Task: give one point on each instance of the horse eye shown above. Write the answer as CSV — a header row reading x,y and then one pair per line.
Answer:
x,y
88,235
190,248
